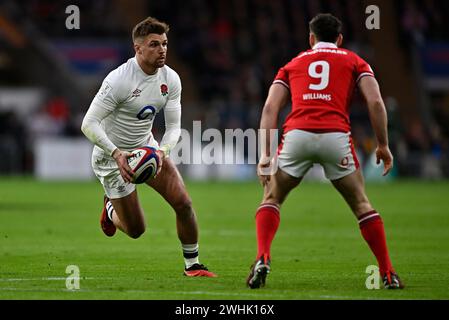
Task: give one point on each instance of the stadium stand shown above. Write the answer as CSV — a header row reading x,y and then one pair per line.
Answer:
x,y
227,53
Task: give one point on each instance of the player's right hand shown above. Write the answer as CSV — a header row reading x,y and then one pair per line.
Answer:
x,y
383,153
121,157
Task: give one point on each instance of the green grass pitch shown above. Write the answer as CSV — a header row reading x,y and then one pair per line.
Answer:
x,y
318,252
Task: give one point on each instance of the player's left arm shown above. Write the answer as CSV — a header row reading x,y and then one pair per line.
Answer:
x,y
172,130
172,114
377,112
379,121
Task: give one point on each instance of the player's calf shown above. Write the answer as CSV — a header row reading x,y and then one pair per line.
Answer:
x,y
129,216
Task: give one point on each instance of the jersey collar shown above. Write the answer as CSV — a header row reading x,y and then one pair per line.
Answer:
x,y
143,72
323,44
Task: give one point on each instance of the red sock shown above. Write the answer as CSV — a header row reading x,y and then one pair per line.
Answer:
x,y
267,223
373,232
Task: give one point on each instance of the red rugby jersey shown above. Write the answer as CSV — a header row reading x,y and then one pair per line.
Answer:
x,y
321,83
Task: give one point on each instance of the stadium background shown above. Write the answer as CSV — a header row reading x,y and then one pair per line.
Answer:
x,y
227,53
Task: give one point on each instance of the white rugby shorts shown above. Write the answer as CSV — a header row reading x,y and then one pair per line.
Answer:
x,y
333,151
107,171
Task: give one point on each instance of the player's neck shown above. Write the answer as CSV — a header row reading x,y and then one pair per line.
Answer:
x,y
324,44
148,70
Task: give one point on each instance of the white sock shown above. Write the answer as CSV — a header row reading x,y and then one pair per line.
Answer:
x,y
190,253
109,209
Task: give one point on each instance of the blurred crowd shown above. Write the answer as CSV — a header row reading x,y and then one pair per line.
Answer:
x,y
422,20
422,23
235,48
230,51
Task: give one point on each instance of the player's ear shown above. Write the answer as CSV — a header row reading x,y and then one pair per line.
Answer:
x,y
312,40
137,48
339,40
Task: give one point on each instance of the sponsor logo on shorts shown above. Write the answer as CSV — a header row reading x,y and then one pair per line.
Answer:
x,y
121,188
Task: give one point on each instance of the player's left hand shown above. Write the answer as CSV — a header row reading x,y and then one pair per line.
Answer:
x,y
161,156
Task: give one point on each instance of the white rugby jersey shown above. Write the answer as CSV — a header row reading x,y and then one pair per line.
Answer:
x,y
122,113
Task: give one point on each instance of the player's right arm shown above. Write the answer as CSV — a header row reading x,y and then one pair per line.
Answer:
x,y
277,99
378,116
102,106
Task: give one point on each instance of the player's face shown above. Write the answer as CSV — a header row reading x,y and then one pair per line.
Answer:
x,y
153,50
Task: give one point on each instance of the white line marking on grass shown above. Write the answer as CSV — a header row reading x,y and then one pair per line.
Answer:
x,y
140,291
220,293
269,295
223,294
43,279
342,297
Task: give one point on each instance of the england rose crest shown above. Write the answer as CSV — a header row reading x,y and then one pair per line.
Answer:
x,y
164,89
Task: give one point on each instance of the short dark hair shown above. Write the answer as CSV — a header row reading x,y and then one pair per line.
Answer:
x,y
149,25
326,27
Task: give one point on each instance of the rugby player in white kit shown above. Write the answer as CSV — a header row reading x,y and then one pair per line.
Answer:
x,y
120,119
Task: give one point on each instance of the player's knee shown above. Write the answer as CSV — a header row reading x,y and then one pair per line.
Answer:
x,y
183,206
135,234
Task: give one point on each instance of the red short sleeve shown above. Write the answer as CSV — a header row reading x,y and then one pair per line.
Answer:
x,y
363,69
282,78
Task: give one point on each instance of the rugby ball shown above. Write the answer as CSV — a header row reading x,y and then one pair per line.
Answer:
x,y
144,163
